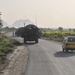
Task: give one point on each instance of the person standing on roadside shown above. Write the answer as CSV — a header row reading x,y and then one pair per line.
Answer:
x,y
12,33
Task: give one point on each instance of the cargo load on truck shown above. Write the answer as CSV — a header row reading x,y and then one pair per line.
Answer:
x,y
30,33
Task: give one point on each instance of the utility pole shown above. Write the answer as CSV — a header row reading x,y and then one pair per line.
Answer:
x,y
0,15
36,20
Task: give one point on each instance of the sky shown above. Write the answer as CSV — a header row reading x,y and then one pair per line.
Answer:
x,y
47,13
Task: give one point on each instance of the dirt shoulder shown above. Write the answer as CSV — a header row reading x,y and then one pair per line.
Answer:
x,y
17,61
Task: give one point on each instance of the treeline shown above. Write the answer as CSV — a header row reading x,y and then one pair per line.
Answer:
x,y
8,29
57,34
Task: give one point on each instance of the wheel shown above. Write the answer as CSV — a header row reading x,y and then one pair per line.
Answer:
x,y
36,41
72,50
63,49
24,40
66,50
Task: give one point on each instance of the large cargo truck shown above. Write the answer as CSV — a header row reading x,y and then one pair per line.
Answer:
x,y
30,33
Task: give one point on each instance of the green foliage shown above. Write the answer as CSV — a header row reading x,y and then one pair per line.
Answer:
x,y
60,28
57,34
6,46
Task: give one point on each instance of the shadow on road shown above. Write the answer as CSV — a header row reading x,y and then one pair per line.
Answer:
x,y
64,54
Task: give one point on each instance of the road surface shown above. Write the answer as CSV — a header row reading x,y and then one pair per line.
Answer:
x,y
47,58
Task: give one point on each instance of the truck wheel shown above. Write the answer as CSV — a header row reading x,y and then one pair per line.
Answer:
x,y
66,50
24,40
36,41
63,50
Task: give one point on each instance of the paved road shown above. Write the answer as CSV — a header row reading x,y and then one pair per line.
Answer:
x,y
47,58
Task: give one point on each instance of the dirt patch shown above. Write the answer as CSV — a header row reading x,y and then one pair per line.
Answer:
x,y
17,61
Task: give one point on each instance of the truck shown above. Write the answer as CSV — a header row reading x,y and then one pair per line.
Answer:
x,y
30,33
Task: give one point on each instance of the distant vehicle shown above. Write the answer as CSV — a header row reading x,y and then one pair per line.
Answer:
x,y
30,33
68,43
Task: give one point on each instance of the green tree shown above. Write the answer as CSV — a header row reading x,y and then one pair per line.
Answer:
x,y
60,28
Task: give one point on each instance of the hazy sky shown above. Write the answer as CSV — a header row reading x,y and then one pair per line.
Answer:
x,y
49,13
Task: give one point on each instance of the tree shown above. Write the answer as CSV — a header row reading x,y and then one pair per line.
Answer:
x,y
60,28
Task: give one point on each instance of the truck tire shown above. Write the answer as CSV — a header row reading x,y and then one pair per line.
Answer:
x,y
63,49
36,41
24,40
66,50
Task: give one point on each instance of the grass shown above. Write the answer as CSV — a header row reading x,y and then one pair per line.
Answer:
x,y
6,46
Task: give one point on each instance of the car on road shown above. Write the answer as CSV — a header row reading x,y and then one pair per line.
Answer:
x,y
68,43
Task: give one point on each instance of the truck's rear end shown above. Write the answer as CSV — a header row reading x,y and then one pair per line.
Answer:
x,y
31,33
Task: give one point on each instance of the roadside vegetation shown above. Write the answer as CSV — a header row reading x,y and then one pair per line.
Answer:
x,y
57,34
6,46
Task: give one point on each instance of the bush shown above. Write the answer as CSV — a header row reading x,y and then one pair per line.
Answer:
x,y
57,34
6,46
